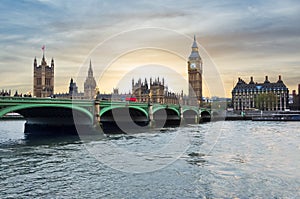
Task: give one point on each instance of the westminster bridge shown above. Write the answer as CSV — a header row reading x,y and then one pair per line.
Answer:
x,y
67,115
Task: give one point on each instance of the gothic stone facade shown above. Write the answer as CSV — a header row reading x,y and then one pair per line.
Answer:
x,y
155,92
43,78
265,96
90,85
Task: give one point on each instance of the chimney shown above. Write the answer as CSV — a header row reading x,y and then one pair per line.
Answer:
x,y
279,78
251,80
267,80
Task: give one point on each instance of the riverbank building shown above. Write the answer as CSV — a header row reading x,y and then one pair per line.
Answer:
x,y
264,96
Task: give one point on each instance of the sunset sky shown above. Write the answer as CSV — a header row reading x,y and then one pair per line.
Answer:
x,y
131,39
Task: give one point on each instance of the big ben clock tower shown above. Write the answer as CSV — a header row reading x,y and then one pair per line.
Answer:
x,y
195,75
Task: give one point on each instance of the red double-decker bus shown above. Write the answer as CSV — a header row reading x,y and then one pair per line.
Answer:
x,y
131,99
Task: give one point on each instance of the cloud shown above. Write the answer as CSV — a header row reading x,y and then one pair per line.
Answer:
x,y
243,37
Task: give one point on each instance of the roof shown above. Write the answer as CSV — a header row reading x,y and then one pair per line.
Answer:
x,y
195,43
194,54
266,86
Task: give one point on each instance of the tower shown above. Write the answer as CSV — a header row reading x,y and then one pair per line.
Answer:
x,y
195,75
43,78
73,89
90,84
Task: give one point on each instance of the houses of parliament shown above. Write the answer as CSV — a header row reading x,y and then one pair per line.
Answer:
x,y
156,91
43,78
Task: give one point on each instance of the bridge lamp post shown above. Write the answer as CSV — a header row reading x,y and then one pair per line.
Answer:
x,y
150,111
97,110
149,98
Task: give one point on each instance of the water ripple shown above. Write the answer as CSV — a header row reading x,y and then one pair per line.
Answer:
x,y
247,160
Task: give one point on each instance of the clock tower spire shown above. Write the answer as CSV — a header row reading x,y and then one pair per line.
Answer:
x,y
195,75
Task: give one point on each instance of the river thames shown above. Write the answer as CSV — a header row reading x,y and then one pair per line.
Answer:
x,y
232,159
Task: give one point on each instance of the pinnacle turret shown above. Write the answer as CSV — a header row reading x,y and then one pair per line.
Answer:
x,y
52,62
90,84
195,43
195,52
90,73
35,62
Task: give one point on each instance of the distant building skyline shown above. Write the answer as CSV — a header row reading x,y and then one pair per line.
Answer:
x,y
156,91
90,83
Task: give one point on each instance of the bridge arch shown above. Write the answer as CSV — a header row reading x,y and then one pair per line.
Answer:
x,y
172,109
190,116
26,109
205,116
123,119
166,116
110,108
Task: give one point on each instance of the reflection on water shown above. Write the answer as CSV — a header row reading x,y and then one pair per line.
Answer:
x,y
223,160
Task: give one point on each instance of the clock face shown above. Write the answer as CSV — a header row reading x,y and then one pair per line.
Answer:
x,y
193,65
